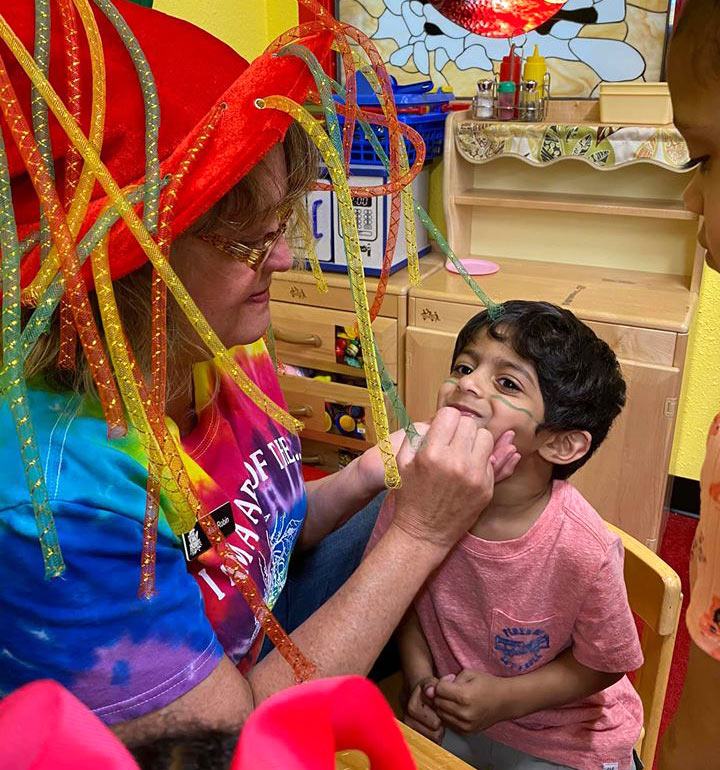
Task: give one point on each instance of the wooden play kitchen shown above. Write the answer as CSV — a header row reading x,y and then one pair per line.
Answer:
x,y
591,219
587,216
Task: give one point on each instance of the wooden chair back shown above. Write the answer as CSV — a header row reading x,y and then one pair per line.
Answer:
x,y
655,596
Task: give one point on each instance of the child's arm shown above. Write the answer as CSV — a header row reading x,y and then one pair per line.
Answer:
x,y
419,672
474,700
333,499
415,655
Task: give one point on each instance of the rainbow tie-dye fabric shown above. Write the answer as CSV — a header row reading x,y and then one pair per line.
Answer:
x,y
121,655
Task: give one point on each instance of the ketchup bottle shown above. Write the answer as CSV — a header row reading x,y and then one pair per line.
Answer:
x,y
510,70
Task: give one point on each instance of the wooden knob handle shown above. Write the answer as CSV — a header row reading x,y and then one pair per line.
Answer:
x,y
293,338
301,411
311,459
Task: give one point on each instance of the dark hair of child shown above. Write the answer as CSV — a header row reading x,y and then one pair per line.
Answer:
x,y
579,376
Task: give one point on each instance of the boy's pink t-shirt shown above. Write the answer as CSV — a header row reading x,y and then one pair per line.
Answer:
x,y
508,607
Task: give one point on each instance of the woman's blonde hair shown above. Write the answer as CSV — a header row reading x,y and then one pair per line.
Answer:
x,y
244,204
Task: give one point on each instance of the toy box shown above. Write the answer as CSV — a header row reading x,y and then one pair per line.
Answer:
x,y
373,219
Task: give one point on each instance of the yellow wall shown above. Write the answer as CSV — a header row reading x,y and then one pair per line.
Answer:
x,y
700,397
247,25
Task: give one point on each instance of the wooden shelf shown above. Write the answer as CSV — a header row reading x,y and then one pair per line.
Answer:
x,y
611,295
341,441
580,204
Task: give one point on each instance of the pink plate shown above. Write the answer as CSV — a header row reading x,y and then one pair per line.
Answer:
x,y
474,266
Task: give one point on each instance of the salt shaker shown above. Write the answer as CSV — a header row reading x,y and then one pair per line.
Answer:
x,y
483,101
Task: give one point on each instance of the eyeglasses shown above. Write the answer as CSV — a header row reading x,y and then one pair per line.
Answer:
x,y
253,257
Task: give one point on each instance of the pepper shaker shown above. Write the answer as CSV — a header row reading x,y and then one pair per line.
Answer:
x,y
505,102
530,102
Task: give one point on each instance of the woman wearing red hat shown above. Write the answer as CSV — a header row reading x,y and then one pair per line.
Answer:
x,y
125,404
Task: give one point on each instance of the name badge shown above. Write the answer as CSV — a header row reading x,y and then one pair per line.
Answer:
x,y
196,542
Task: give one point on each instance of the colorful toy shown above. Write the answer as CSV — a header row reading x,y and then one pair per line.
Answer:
x,y
345,420
348,348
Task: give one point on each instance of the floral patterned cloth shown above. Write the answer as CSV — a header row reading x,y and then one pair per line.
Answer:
x,y
540,144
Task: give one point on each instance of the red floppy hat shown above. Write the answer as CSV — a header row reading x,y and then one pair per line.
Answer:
x,y
194,73
45,727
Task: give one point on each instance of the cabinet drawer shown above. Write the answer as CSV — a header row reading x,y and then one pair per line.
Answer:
x,y
306,399
301,290
305,336
649,346
318,454
441,316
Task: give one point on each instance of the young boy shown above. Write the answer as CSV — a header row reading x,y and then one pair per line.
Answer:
x,y
691,742
516,650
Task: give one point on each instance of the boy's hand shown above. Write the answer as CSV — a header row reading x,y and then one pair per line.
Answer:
x,y
505,457
471,701
420,714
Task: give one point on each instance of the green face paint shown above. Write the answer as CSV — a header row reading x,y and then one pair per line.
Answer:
x,y
454,381
512,406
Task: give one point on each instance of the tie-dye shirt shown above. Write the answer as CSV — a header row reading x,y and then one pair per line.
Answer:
x,y
124,656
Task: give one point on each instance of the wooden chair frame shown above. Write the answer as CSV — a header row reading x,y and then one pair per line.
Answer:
x,y
655,596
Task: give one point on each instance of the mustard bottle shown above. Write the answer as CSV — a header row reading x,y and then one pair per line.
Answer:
x,y
535,69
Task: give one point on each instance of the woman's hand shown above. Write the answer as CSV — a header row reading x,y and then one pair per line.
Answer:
x,y
371,468
372,472
447,483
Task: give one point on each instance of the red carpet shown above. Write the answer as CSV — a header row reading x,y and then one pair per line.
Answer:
x,y
675,550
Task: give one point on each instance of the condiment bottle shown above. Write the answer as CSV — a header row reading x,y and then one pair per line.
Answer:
x,y
506,100
511,69
535,69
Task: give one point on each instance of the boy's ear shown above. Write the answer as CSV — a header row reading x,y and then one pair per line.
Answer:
x,y
566,446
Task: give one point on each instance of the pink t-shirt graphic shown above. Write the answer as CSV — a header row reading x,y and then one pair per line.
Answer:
x,y
508,607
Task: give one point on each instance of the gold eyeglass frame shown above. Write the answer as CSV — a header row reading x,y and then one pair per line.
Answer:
x,y
253,257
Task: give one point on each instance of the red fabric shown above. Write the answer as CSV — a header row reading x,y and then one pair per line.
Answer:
x,y
194,72
311,474
302,728
675,550
44,727
329,61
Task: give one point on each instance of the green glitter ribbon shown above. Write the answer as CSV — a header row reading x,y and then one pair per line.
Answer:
x,y
17,390
152,112
39,110
326,85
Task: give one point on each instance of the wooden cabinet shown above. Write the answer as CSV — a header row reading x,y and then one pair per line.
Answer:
x,y
305,325
615,247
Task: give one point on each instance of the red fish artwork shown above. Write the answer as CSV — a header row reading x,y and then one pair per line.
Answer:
x,y
498,18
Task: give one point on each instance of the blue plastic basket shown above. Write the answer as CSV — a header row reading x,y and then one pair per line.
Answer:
x,y
430,125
